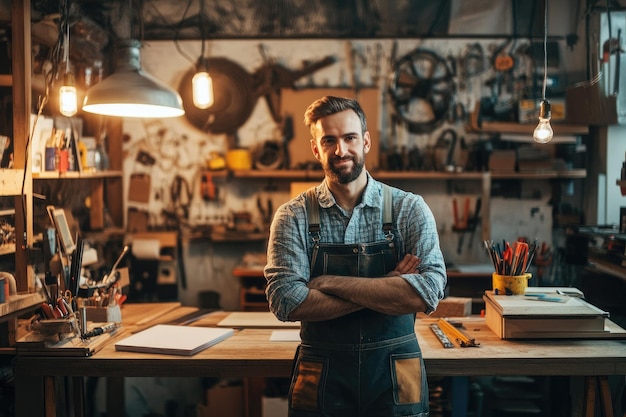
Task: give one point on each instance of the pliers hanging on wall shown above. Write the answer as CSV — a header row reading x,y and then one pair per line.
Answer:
x,y
461,223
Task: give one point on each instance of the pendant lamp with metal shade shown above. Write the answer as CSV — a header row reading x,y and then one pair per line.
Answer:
x,y
129,91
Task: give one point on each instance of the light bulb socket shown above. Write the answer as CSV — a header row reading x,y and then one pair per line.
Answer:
x,y
202,64
545,112
69,79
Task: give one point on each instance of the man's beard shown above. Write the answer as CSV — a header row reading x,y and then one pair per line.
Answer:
x,y
344,175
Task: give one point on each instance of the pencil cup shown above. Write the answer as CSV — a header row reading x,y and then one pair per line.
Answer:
x,y
510,284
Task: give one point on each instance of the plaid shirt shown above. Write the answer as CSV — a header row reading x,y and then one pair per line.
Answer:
x,y
290,246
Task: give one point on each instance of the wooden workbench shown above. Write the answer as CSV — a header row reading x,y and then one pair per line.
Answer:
x,y
249,353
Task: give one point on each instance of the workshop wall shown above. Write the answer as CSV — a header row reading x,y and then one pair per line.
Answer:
x,y
179,151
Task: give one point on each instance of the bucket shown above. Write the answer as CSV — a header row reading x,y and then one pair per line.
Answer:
x,y
239,159
510,284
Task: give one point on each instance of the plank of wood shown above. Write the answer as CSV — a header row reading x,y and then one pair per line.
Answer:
x,y
20,302
144,313
255,319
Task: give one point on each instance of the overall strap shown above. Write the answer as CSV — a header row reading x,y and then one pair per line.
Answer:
x,y
387,210
313,212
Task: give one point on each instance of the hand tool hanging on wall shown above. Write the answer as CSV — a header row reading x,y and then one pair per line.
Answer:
x,y
208,189
266,211
271,77
356,61
461,222
181,196
473,223
287,136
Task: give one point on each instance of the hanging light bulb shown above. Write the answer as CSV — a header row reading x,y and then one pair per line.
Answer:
x,y
68,98
202,86
543,132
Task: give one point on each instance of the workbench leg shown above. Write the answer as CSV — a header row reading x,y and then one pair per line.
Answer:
x,y
116,401
49,399
29,395
577,395
460,395
593,383
605,395
79,396
623,396
253,394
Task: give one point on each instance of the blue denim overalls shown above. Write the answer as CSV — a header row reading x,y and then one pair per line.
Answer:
x,y
365,363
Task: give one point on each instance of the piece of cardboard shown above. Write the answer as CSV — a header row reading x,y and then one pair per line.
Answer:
x,y
137,220
222,401
139,188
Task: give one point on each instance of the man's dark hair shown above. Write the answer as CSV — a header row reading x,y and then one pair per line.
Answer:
x,y
328,105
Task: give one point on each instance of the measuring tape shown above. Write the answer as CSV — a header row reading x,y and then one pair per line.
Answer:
x,y
441,336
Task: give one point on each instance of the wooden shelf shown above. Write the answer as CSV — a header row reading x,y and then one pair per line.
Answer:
x,y
559,128
76,175
608,267
528,128
288,174
6,80
414,175
236,236
7,249
20,303
569,174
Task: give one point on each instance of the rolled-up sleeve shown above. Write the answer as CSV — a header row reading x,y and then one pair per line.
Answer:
x,y
417,225
288,269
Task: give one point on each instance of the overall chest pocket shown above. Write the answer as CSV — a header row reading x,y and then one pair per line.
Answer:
x,y
358,260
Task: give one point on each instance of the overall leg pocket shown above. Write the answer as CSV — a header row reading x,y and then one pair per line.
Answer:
x,y
408,378
307,384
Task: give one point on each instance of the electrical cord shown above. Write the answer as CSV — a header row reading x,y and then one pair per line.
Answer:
x,y
545,51
177,33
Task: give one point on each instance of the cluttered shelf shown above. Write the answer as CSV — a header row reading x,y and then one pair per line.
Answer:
x,y
415,175
510,127
607,266
19,303
605,247
566,174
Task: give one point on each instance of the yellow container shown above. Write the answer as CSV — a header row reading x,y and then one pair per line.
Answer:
x,y
239,159
510,285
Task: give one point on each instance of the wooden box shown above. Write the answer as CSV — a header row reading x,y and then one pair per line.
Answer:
x,y
104,314
453,307
527,317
